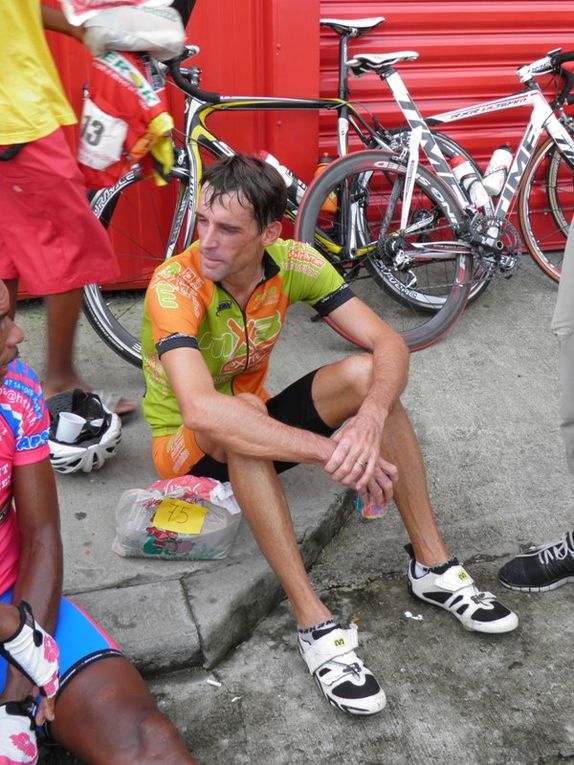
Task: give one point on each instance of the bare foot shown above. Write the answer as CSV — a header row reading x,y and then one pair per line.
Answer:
x,y
112,401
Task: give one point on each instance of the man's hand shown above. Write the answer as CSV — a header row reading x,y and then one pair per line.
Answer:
x,y
46,711
356,460
17,735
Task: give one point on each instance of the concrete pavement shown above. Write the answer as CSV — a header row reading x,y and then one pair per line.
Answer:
x,y
484,403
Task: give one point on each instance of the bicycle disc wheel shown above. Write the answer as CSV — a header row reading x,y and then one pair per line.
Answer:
x,y
546,207
420,278
138,217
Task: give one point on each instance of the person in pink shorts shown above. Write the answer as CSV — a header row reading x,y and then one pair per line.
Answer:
x,y
49,238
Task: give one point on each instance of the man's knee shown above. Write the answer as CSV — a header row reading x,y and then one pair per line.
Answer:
x,y
357,373
151,738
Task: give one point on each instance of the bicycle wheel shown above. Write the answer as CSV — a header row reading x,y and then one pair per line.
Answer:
x,y
546,207
398,139
138,216
425,271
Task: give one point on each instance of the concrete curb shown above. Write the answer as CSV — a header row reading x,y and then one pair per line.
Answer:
x,y
195,619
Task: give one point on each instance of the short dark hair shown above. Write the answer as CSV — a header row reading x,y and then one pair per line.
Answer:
x,y
256,183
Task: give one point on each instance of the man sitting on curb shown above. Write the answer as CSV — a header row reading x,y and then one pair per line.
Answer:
x,y
551,565
212,317
104,713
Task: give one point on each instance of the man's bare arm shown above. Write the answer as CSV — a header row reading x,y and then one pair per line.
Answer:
x,y
359,440
232,423
55,21
39,579
390,353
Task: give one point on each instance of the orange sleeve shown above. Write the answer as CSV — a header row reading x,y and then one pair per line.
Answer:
x,y
177,298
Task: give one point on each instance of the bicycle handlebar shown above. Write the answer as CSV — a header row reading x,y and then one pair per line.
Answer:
x,y
564,96
192,90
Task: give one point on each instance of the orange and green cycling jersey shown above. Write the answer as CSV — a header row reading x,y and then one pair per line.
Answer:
x,y
184,310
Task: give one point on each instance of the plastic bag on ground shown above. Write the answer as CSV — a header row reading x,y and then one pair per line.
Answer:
x,y
187,518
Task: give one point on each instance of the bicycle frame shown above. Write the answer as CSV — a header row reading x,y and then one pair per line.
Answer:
x,y
542,118
197,135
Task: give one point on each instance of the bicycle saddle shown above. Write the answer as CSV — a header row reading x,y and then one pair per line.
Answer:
x,y
377,62
354,27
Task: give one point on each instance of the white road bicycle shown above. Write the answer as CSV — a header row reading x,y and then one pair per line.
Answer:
x,y
397,240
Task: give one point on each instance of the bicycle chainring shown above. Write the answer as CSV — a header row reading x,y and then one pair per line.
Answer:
x,y
496,244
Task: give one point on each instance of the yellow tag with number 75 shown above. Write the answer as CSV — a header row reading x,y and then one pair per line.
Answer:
x,y
178,516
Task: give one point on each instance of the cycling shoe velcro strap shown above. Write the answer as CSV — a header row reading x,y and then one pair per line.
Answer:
x,y
351,666
330,647
453,579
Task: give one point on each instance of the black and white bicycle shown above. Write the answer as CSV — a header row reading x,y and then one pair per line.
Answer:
x,y
384,228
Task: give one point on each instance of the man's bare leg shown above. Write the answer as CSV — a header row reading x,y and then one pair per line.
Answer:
x,y
327,649
63,311
338,392
260,495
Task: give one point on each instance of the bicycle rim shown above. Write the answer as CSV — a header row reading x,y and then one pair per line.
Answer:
x,y
546,207
420,291
138,217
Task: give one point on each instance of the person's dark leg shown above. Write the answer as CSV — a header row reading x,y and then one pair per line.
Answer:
x,y
63,311
12,287
106,715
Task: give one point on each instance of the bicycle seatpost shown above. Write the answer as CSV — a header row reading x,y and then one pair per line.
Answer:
x,y
347,29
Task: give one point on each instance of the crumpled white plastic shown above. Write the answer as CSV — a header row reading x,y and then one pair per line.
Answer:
x,y
157,31
77,11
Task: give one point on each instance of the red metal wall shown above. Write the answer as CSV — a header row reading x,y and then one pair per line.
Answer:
x,y
468,52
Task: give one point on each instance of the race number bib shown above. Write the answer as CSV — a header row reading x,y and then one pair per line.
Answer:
x,y
102,137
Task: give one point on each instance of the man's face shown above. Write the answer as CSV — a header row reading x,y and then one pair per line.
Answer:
x,y
229,239
10,333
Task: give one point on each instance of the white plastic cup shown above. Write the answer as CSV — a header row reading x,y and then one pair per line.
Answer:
x,y
69,427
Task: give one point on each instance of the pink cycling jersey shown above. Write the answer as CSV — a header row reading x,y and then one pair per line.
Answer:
x,y
24,427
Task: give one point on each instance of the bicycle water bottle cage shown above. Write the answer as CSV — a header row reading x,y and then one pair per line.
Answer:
x,y
361,63
352,27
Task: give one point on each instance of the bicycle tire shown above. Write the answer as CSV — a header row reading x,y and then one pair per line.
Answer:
x,y
546,207
115,310
432,200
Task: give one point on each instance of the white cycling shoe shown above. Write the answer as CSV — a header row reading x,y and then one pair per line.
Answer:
x,y
342,677
452,588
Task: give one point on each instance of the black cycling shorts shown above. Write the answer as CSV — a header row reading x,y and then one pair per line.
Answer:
x,y
293,406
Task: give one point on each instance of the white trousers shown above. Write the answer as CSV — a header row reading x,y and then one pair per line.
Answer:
x,y
563,326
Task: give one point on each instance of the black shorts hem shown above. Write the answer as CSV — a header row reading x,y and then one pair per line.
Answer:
x,y
294,406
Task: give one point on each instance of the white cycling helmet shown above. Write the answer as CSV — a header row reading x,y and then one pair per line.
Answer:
x,y
97,440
